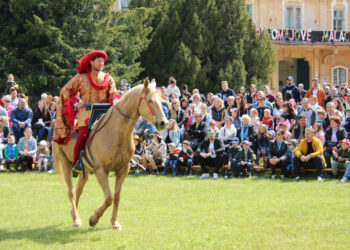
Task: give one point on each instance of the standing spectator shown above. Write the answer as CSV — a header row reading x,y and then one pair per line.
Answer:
x,y
185,158
171,133
246,159
301,90
14,98
211,154
333,136
290,87
308,112
8,107
11,153
41,119
21,118
309,154
277,155
27,149
225,92
197,131
10,83
341,157
234,155
171,160
42,154
270,97
172,88
317,91
299,130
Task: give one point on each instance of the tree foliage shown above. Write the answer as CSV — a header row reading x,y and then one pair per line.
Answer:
x,y
202,42
41,40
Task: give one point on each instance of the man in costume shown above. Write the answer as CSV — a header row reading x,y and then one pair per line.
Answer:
x,y
89,86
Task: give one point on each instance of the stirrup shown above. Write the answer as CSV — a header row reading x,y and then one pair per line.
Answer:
x,y
78,166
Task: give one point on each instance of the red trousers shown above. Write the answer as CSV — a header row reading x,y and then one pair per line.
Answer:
x,y
79,144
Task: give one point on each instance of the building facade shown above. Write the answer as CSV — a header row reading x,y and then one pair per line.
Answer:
x,y
311,38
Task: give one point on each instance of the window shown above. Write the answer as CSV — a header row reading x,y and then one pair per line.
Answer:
x,y
338,19
293,17
124,4
250,10
339,75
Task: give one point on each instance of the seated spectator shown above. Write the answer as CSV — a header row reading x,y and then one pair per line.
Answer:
x,y
237,121
319,133
11,153
206,117
155,154
185,107
277,106
271,134
42,155
331,111
314,105
10,83
211,155
287,135
41,119
49,129
246,159
292,145
21,118
333,136
196,102
139,149
4,130
268,119
289,98
212,125
261,107
171,160
230,103
228,132
289,114
144,128
27,149
197,131
309,113
176,113
14,98
254,119
246,132
240,104
309,154
8,107
321,115
301,90
218,112
270,97
299,130
262,141
277,155
250,97
341,157
171,133
234,154
185,158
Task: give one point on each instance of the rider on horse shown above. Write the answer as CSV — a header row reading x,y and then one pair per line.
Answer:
x,y
89,86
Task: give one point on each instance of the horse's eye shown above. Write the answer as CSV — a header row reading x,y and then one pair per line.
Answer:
x,y
149,101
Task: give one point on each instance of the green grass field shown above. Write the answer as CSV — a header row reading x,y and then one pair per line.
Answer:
x,y
170,213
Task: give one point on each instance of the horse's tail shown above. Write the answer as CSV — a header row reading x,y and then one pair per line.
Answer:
x,y
56,159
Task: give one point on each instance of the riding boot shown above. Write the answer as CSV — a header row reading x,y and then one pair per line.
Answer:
x,y
78,166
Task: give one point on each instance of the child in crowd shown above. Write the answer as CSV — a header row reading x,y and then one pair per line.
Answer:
x,y
262,141
42,154
320,118
185,158
213,126
319,132
234,154
290,156
246,159
254,119
271,134
268,119
285,126
171,159
237,121
341,157
11,153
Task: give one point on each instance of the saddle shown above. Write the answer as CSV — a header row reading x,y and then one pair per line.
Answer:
x,y
96,111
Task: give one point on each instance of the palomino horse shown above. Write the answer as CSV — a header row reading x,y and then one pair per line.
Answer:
x,y
109,148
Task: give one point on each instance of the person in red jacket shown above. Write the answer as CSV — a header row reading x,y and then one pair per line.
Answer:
x,y
317,91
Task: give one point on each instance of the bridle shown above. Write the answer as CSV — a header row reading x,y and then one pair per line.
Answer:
x,y
142,97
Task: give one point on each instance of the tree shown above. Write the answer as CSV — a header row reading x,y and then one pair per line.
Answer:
x,y
42,40
202,42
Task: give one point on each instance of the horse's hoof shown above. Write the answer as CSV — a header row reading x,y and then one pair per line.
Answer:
x,y
92,221
117,226
77,223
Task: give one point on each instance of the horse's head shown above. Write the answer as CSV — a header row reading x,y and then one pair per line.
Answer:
x,y
150,105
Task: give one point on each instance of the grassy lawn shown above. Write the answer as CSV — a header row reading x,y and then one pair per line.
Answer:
x,y
186,213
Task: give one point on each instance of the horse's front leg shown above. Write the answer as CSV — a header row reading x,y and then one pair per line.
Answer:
x,y
80,186
102,178
119,180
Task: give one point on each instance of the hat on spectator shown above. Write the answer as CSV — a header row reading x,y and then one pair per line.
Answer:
x,y
347,141
247,142
271,132
290,78
212,122
285,123
235,140
293,142
42,143
157,133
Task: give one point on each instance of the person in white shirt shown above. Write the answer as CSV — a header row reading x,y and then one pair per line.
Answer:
x,y
228,132
172,88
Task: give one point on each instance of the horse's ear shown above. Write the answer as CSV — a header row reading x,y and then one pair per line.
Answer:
x,y
146,83
153,82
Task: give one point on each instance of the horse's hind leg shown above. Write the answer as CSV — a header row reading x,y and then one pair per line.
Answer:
x,y
67,173
102,178
80,186
119,180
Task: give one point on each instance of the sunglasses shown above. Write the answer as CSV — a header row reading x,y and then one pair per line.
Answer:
x,y
210,133
260,99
